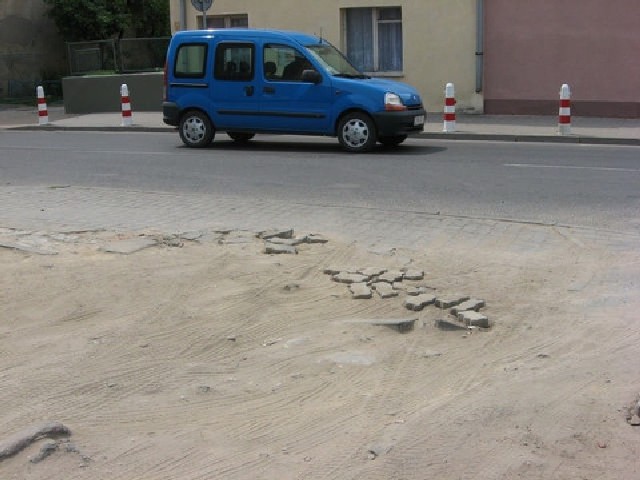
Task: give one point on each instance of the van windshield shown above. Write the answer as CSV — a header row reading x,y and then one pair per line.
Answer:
x,y
334,61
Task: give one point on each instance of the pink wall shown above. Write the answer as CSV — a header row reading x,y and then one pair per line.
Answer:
x,y
533,47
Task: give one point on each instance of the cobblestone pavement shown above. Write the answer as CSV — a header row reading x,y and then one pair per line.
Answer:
x,y
72,208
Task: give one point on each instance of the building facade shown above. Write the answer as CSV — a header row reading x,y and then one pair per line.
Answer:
x,y
30,47
503,56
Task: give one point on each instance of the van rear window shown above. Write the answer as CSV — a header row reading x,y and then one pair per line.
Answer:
x,y
191,60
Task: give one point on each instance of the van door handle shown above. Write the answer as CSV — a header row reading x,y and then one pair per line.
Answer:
x,y
248,90
269,90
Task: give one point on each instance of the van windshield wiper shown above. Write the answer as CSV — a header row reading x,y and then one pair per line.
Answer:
x,y
348,75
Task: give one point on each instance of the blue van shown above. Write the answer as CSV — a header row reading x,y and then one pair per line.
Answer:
x,y
244,82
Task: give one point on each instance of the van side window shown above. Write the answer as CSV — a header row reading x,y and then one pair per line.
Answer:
x,y
234,61
284,63
191,60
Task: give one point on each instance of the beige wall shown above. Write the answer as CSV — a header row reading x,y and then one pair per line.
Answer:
x,y
29,43
439,36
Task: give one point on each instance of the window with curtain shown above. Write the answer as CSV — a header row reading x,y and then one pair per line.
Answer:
x,y
225,21
374,38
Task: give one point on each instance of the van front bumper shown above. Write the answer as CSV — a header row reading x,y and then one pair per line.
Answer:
x,y
170,113
399,123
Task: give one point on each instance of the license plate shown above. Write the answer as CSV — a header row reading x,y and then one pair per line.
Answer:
x,y
418,120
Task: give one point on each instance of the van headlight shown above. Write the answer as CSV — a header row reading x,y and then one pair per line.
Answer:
x,y
393,102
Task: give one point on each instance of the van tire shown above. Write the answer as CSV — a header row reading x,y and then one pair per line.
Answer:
x,y
357,132
241,137
392,141
196,130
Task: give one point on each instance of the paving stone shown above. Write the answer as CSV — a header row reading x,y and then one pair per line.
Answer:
x,y
384,289
345,277
418,302
448,326
286,241
130,245
272,248
474,319
314,238
450,301
400,324
371,271
413,275
391,276
416,290
360,290
471,304
276,233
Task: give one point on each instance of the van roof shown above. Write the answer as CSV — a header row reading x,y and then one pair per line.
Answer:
x,y
300,37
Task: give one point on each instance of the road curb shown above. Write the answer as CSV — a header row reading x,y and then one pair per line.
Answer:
x,y
495,137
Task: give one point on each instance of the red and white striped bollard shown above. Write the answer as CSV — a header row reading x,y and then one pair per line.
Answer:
x,y
127,120
564,112
449,108
43,112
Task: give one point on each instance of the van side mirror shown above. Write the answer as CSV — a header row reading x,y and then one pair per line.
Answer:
x,y
311,76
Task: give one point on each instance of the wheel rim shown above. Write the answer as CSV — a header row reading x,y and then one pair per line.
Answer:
x,y
355,133
194,129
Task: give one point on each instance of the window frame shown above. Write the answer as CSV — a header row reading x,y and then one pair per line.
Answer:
x,y
226,19
375,22
203,73
220,48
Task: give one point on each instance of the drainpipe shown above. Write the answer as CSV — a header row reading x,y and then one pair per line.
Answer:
x,y
479,44
183,15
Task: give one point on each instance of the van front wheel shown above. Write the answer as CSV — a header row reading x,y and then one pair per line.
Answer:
x,y
357,132
195,129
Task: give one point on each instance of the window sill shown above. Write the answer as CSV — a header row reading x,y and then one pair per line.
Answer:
x,y
386,74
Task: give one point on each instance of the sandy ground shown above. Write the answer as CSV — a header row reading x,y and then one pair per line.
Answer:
x,y
206,360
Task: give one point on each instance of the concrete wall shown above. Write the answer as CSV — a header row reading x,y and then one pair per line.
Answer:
x,y
30,46
439,36
101,93
533,47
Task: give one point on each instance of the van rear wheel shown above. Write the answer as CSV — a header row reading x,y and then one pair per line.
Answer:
x,y
357,132
241,137
196,130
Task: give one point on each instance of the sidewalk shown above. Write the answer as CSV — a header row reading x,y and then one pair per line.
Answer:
x,y
516,128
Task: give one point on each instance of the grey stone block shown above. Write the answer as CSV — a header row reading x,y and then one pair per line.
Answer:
x,y
418,302
391,276
474,319
450,301
384,289
471,304
128,246
413,275
272,248
314,238
416,290
344,277
371,271
276,233
360,291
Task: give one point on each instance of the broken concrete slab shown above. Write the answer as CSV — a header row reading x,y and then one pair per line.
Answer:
x,y
474,319
272,248
400,324
391,276
450,301
285,241
344,277
371,271
411,274
276,233
471,304
360,291
418,302
416,290
314,238
448,326
384,289
130,245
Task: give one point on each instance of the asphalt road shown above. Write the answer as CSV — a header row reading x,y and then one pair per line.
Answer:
x,y
564,184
